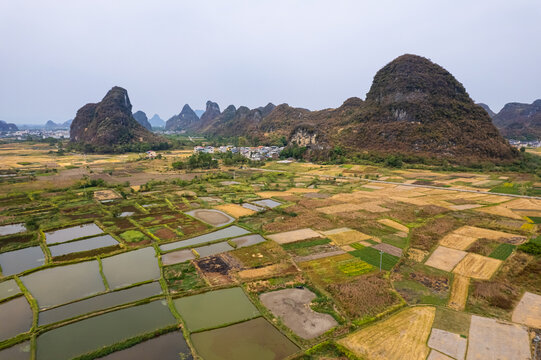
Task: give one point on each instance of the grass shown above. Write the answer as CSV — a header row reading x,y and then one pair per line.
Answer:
x,y
335,269
416,293
502,252
452,321
182,277
535,219
132,236
372,256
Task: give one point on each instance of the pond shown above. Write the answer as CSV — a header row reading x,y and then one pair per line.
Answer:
x,y
126,213
14,262
176,257
91,334
131,267
11,229
163,347
83,245
211,216
213,249
74,232
253,207
215,308
15,317
20,351
253,339
8,289
99,302
229,232
267,203
63,284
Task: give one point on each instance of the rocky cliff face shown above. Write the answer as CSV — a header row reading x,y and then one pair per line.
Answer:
x,y
520,121
186,119
487,109
7,127
109,122
142,119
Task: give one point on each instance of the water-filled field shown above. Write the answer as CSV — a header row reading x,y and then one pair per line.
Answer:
x,y
93,333
83,245
15,317
253,339
20,351
131,267
62,284
75,232
17,261
11,229
215,308
8,289
228,232
99,302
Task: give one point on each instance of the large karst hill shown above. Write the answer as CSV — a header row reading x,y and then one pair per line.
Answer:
x,y
414,106
109,123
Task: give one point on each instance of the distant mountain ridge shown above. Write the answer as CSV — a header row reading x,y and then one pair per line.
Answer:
x,y
156,121
187,118
5,127
520,121
142,119
51,125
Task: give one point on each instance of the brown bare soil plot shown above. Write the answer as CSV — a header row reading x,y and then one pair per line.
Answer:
x,y
459,292
528,311
402,336
445,259
448,343
335,209
267,272
295,235
101,195
477,266
417,255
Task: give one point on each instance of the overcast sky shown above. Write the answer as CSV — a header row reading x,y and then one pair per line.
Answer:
x,y
56,56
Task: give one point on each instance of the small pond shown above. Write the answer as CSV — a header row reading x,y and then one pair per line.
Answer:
x,y
213,249
252,207
15,317
14,262
63,284
267,202
8,289
176,257
163,347
91,334
248,240
211,216
253,339
229,232
75,232
83,245
215,308
11,229
131,267
99,302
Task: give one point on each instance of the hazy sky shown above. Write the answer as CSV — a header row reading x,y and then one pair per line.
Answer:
x,y
56,56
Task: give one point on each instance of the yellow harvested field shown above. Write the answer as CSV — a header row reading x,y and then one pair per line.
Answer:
x,y
459,292
523,204
402,336
500,210
413,201
417,255
235,210
347,237
373,207
394,225
106,195
266,271
464,207
477,266
457,241
295,235
528,311
445,258
301,190
335,209
481,233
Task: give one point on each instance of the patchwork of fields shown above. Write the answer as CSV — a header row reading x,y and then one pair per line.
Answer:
x,y
299,262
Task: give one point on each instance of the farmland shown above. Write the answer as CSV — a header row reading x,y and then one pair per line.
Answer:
x,y
282,260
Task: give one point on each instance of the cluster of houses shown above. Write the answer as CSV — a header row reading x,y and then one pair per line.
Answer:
x,y
527,144
253,153
41,133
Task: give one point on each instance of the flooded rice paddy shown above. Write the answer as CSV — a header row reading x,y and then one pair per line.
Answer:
x,y
131,267
99,302
253,339
17,352
229,232
213,249
267,203
71,233
93,333
83,245
164,347
62,284
11,229
215,308
8,289
176,257
15,317
17,261
248,240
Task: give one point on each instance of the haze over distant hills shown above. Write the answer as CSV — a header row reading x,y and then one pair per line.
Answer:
x,y
156,121
518,120
4,126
